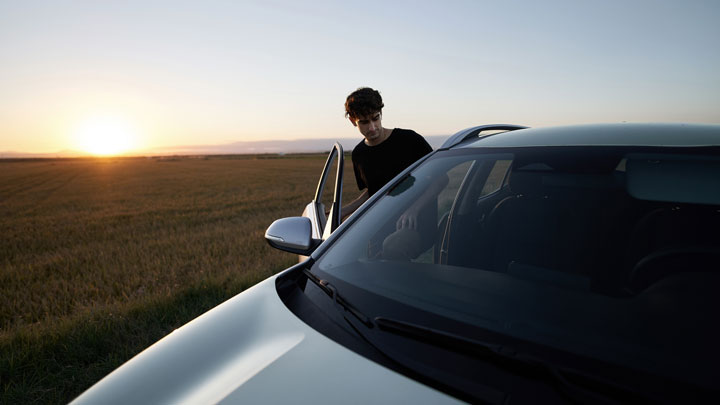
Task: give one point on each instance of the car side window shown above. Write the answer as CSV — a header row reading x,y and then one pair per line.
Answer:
x,y
445,200
463,176
447,196
496,177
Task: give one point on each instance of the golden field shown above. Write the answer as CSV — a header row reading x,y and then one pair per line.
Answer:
x,y
99,258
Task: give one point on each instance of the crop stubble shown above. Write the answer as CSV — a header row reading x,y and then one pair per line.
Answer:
x,y
98,250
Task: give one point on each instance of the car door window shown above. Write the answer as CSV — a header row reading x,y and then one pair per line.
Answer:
x,y
328,196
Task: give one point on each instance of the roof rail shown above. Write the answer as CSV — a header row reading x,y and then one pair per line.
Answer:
x,y
475,132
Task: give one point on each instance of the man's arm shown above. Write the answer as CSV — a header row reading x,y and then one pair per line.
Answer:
x,y
354,205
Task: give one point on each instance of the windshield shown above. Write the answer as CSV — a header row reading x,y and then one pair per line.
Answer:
x,y
607,253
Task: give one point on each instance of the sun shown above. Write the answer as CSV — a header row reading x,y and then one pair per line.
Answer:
x,y
106,136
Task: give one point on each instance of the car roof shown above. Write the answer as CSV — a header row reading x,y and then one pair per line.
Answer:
x,y
625,134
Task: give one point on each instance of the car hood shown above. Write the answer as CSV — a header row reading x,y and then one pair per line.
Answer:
x,y
249,349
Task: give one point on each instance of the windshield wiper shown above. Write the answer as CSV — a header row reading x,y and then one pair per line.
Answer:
x,y
343,306
587,389
331,291
499,355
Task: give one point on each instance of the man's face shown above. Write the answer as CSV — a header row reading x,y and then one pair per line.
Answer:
x,y
370,126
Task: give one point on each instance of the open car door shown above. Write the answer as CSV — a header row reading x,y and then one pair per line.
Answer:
x,y
323,225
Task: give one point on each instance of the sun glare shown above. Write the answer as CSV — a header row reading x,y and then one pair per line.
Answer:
x,y
106,136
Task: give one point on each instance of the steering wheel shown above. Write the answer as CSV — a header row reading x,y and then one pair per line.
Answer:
x,y
665,262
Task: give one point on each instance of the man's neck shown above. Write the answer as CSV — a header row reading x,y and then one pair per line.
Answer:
x,y
385,135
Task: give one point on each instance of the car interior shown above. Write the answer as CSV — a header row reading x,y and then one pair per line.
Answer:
x,y
572,221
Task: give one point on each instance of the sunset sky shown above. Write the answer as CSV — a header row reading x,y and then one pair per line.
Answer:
x,y
112,76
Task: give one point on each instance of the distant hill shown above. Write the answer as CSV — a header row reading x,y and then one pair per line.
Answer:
x,y
60,154
253,147
241,148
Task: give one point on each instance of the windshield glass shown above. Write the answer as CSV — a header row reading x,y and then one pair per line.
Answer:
x,y
607,253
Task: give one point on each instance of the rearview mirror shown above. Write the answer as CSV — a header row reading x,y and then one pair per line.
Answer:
x,y
293,234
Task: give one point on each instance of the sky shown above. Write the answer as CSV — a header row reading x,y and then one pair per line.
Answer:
x,y
112,76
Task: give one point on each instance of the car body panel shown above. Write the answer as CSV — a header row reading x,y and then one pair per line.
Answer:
x,y
251,349
604,135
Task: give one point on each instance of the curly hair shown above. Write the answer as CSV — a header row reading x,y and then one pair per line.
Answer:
x,y
362,103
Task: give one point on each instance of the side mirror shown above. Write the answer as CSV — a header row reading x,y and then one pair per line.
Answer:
x,y
293,234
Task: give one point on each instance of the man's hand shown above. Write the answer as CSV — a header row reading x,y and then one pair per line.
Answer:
x,y
354,205
409,219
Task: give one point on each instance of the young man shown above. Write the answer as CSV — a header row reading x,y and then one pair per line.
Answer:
x,y
383,153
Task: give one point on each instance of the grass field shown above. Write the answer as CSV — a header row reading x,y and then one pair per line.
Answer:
x,y
99,258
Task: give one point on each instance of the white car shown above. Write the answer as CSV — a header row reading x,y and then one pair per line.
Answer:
x,y
567,264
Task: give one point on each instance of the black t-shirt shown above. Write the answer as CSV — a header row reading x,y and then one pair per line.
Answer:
x,y
376,165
